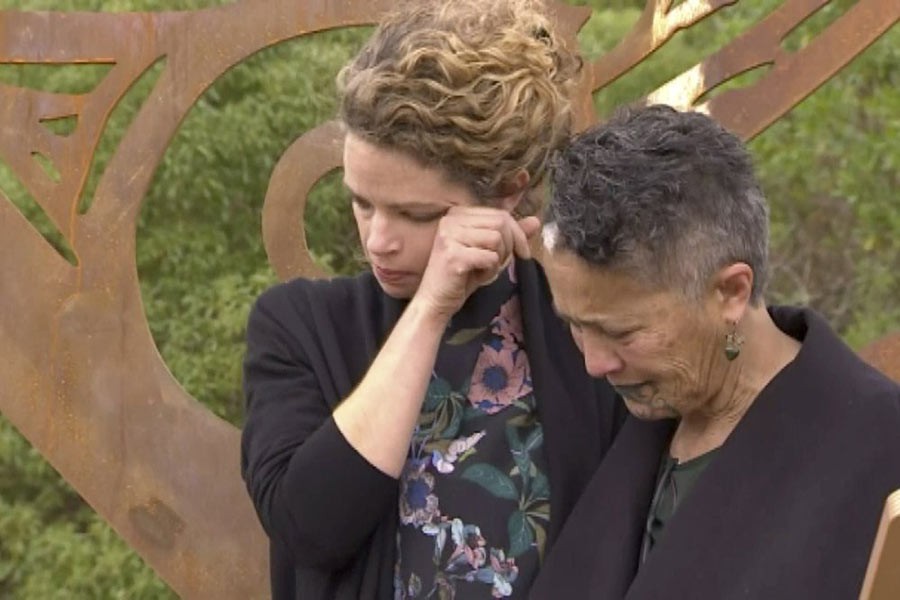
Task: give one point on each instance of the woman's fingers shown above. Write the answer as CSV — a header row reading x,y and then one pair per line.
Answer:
x,y
486,239
523,230
463,222
481,263
471,248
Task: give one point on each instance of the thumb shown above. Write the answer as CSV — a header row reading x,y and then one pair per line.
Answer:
x,y
525,228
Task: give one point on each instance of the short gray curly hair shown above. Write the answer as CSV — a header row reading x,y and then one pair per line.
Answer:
x,y
668,197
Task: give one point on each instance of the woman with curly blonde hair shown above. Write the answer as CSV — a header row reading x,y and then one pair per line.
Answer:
x,y
423,429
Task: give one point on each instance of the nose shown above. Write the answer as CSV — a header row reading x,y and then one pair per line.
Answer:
x,y
382,237
600,359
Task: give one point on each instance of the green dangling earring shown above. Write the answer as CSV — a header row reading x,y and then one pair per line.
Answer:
x,y
733,342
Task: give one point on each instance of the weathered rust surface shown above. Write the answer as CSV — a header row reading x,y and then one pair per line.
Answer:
x,y
82,378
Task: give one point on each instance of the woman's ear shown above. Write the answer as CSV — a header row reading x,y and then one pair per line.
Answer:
x,y
518,187
733,287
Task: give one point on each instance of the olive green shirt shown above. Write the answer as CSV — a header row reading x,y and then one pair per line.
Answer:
x,y
673,484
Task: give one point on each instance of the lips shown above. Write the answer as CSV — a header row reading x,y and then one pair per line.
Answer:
x,y
638,392
390,275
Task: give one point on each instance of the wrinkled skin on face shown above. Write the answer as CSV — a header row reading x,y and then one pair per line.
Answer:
x,y
659,349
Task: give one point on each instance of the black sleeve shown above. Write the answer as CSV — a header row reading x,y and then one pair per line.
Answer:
x,y
313,492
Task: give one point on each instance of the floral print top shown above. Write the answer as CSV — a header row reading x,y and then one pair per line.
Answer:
x,y
474,496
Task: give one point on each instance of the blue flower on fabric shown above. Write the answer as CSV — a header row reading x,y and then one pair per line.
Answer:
x,y
418,505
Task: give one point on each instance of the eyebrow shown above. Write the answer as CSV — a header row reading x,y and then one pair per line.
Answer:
x,y
568,319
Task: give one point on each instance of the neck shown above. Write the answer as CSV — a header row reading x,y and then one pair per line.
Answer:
x,y
767,351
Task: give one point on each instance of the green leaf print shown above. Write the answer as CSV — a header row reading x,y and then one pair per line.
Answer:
x,y
541,510
540,487
528,405
522,468
472,413
540,535
535,439
493,480
455,421
512,436
464,336
521,420
444,418
438,392
521,536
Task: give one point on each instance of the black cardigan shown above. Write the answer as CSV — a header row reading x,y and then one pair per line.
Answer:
x,y
788,508
331,516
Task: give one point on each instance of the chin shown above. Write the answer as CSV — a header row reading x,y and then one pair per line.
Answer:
x,y
646,412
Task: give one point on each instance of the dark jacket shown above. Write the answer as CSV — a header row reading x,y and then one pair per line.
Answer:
x,y
788,508
330,515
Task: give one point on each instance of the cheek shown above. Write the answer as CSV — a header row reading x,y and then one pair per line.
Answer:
x,y
667,359
693,361
420,239
647,351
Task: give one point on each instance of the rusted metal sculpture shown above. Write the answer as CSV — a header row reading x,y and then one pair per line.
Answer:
x,y
81,376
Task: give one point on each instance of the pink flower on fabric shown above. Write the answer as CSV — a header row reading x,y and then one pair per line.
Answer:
x,y
469,547
499,379
508,323
505,572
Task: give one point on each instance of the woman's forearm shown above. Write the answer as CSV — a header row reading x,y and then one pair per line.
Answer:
x,y
378,418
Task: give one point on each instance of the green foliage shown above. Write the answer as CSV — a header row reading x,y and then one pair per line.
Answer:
x,y
52,545
200,256
830,169
201,264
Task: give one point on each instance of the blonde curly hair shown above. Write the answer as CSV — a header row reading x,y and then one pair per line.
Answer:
x,y
478,88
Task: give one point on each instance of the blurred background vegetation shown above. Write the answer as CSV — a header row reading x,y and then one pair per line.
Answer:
x,y
831,170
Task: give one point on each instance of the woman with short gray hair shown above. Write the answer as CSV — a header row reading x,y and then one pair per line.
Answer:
x,y
760,449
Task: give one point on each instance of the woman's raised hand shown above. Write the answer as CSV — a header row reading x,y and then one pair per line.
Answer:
x,y
473,244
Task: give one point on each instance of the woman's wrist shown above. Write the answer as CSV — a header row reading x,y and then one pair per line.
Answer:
x,y
428,314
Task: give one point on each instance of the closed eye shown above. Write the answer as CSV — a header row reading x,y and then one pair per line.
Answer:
x,y
422,217
621,335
